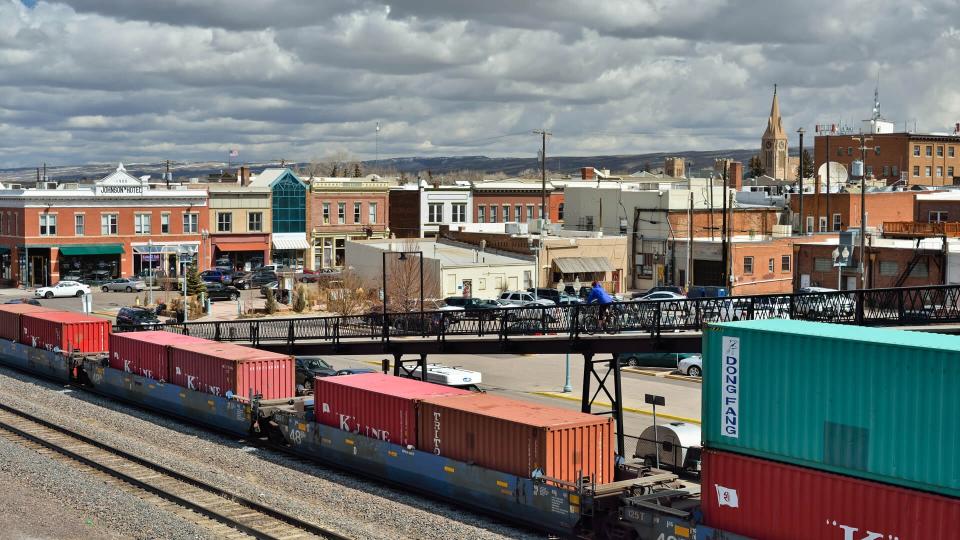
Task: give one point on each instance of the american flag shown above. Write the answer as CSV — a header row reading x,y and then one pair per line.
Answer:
x,y
234,153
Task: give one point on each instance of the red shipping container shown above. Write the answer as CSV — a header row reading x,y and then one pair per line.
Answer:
x,y
10,318
65,331
518,437
146,353
768,499
374,405
218,368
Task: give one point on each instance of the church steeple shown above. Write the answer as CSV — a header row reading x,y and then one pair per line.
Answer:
x,y
773,146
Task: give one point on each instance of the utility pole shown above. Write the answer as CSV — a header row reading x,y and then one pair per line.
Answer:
x,y
724,236
863,207
690,243
543,198
829,217
803,218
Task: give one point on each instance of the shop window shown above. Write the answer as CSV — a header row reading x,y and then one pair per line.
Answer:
x,y
339,252
327,252
224,221
357,210
372,213
108,224
141,223
255,221
191,223
78,224
341,213
165,223
48,224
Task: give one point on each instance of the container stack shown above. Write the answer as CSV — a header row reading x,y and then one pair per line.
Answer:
x,y
814,430
516,437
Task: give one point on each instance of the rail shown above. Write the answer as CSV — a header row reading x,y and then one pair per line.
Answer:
x,y
870,307
919,229
146,478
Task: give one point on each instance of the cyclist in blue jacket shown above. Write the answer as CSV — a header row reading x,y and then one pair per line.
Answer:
x,y
600,296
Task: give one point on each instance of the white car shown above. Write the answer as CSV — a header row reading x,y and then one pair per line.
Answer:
x,y
523,298
660,296
64,288
691,365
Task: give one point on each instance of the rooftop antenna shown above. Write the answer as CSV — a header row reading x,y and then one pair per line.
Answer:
x,y
876,101
166,175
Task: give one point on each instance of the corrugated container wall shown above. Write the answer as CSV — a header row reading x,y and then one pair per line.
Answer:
x,y
374,405
146,353
10,318
765,499
871,403
518,437
65,331
218,368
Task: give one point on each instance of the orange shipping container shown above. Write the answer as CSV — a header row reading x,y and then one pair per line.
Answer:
x,y
518,437
10,327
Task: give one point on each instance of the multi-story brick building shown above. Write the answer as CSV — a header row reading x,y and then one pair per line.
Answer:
x,y
346,209
241,219
916,158
889,263
115,227
937,207
515,200
839,211
419,209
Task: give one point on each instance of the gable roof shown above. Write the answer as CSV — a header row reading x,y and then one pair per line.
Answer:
x,y
269,177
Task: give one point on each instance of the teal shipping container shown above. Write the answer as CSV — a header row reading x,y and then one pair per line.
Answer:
x,y
865,402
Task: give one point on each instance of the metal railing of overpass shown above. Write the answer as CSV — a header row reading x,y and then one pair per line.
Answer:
x,y
870,307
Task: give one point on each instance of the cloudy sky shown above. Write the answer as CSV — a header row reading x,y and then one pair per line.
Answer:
x,y
108,80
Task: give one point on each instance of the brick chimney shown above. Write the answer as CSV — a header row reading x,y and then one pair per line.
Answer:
x,y
735,175
587,173
244,176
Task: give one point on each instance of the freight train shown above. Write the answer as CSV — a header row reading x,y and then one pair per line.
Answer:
x,y
548,469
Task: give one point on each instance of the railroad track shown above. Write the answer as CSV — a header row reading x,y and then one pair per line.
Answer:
x,y
224,514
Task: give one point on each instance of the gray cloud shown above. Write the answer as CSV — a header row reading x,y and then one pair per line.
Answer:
x,y
105,80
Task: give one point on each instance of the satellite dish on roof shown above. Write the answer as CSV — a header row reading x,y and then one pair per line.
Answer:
x,y
838,173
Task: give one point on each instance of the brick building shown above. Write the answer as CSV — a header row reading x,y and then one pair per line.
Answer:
x,y
346,209
404,215
937,207
241,220
919,159
515,200
889,263
844,209
115,227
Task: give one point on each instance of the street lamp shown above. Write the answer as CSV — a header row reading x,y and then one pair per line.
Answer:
x,y
535,248
567,387
402,257
150,256
841,256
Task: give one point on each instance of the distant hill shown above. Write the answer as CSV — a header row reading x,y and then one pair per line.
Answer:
x,y
625,163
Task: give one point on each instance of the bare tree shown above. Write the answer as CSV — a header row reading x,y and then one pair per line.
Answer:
x,y
349,294
403,279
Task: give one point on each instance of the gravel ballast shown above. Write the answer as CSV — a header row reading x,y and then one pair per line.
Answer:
x,y
352,506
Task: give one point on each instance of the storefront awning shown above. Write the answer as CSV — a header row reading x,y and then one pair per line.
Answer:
x,y
146,249
92,249
295,241
582,265
241,246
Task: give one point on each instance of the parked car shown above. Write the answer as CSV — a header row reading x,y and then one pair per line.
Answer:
x,y
356,370
64,288
217,275
692,365
659,296
280,295
123,284
263,277
241,280
567,300
137,316
523,298
545,292
659,288
72,275
31,301
652,359
219,291
308,368
96,277
823,305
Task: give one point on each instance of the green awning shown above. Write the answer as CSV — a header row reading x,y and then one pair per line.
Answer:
x,y
92,249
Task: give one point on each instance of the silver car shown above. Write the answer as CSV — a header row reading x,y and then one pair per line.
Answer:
x,y
124,285
523,298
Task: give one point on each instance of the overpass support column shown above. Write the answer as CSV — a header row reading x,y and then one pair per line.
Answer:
x,y
599,371
400,368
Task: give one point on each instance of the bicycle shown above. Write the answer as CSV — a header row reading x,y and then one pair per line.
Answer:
x,y
591,322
